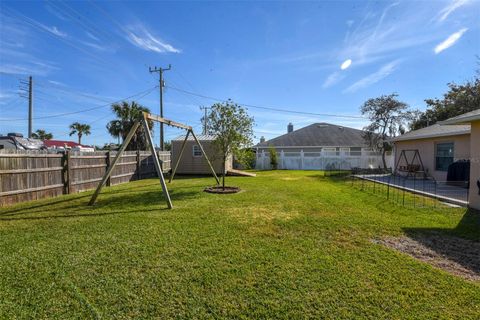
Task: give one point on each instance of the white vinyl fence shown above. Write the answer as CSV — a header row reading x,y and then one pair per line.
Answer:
x,y
322,161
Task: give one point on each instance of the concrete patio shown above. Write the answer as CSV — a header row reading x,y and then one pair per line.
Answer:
x,y
426,187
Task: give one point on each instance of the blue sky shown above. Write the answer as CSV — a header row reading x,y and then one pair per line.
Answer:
x,y
318,57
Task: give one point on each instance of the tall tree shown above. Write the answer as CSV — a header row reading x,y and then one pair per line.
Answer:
x,y
41,134
233,130
388,117
459,99
127,113
80,130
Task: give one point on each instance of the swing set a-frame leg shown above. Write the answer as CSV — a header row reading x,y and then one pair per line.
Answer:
x,y
205,155
114,162
179,157
157,163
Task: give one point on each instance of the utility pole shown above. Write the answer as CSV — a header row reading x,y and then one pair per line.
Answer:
x,y
205,119
161,85
30,103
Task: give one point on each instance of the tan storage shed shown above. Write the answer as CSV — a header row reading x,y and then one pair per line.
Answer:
x,y
192,161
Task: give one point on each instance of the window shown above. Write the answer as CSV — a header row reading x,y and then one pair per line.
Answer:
x,y
329,151
196,151
443,156
344,151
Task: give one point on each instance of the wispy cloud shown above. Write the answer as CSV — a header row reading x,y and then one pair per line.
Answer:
x,y
454,5
33,67
450,41
142,38
375,77
91,36
54,30
333,79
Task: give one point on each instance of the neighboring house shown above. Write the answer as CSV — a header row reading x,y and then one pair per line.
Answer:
x,y
61,145
193,161
438,147
473,119
320,146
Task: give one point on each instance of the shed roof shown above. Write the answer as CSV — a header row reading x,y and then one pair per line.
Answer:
x,y
318,135
464,118
202,137
433,131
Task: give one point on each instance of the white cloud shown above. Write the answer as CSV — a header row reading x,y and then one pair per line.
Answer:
x,y
454,5
346,64
55,31
142,38
450,41
332,79
375,77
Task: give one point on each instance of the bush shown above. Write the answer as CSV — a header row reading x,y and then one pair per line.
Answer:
x,y
273,158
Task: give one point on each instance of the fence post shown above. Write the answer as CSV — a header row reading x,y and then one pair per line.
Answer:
x,y
139,176
69,172
301,159
107,162
65,173
388,187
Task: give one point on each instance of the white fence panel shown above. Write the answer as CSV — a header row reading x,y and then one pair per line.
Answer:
x,y
321,161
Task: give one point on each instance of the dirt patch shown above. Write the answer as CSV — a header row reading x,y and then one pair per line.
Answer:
x,y
222,190
457,256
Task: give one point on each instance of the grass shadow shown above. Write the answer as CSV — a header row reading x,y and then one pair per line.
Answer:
x,y
109,203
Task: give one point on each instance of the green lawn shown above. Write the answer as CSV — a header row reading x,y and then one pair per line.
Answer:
x,y
292,245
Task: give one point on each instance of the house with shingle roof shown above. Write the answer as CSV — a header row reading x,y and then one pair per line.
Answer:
x,y
319,146
438,146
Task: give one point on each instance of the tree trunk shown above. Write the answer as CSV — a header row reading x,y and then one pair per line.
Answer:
x,y
384,160
79,139
223,178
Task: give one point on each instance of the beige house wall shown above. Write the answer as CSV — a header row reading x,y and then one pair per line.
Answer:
x,y
197,165
474,196
426,148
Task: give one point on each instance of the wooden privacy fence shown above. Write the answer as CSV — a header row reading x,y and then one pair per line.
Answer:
x,y
26,176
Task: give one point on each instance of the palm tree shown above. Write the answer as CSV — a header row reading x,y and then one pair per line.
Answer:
x,y
79,129
42,135
127,113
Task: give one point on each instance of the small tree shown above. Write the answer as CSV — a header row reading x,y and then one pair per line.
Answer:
x,y
388,117
233,130
272,152
42,135
79,129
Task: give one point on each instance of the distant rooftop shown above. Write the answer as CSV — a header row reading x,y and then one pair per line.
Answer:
x,y
436,130
319,134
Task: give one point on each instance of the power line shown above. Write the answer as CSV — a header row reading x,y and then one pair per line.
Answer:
x,y
265,107
140,95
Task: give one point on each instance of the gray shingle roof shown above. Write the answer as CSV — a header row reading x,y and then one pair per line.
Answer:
x,y
464,118
201,137
436,130
318,135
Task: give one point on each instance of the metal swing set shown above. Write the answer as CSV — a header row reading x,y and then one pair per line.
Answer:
x,y
144,122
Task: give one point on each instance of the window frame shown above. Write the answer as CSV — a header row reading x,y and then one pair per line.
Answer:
x,y
196,146
436,156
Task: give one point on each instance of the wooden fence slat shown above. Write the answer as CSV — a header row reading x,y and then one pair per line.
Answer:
x,y
26,155
88,166
14,171
9,193
28,175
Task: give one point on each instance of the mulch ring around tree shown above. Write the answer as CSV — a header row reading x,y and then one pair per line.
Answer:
x,y
222,190
457,256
